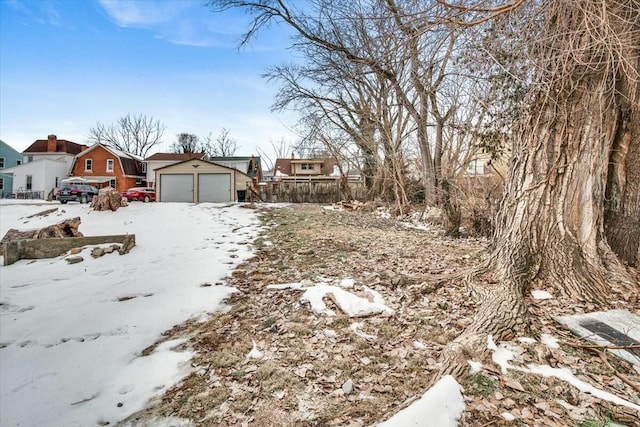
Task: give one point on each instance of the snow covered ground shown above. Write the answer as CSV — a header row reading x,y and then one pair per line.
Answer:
x,y
71,335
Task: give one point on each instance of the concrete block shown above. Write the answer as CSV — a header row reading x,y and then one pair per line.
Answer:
x,y
51,248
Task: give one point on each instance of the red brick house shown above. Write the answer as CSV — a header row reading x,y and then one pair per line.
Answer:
x,y
104,166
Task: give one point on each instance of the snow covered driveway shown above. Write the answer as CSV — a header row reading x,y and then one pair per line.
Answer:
x,y
71,335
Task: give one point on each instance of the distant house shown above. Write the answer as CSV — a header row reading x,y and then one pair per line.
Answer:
x,y
483,166
313,180
300,171
44,164
160,160
9,157
251,166
293,169
103,166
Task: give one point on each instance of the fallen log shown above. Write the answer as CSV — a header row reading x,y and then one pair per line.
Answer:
x,y
66,228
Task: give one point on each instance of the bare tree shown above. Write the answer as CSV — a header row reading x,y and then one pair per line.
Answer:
x,y
278,150
133,133
400,52
222,146
186,143
571,207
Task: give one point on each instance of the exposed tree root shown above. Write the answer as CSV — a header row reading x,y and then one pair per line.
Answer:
x,y
502,311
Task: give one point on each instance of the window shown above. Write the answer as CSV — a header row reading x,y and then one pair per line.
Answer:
x,y
57,182
18,162
1,185
109,165
29,159
88,164
144,168
112,183
29,182
306,166
1,162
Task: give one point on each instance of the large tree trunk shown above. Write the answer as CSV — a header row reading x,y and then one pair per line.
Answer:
x,y
622,208
551,224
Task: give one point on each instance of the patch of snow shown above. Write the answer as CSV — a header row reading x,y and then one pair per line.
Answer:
x,y
565,374
475,366
418,345
295,286
538,294
314,296
527,340
351,304
347,283
254,353
442,405
549,341
491,345
507,416
502,355
72,335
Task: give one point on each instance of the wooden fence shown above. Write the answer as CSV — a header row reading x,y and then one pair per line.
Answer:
x,y
310,192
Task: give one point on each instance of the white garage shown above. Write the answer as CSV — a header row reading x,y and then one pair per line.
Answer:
x,y
197,180
214,187
176,188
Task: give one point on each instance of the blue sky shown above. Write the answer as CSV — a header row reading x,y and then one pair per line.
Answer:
x,y
67,64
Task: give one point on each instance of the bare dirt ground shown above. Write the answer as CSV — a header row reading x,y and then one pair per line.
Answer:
x,y
270,361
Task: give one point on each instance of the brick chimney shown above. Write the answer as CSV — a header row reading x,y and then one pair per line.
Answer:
x,y
51,143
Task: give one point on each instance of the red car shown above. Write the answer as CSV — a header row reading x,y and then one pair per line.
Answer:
x,y
142,194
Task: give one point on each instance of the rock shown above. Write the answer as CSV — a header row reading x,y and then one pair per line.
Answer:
x,y
508,403
75,251
347,387
515,385
74,259
97,252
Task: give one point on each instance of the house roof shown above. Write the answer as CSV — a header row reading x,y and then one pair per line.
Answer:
x,y
36,164
178,157
203,161
9,149
62,146
130,163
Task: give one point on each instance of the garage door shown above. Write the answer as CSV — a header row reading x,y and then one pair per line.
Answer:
x,y
214,187
176,188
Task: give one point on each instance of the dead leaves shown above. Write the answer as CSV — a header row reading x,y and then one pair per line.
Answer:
x,y
272,361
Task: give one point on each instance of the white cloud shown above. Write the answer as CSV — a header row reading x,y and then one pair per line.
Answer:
x,y
185,22
142,14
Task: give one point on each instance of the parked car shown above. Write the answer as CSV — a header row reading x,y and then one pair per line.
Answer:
x,y
142,194
76,193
